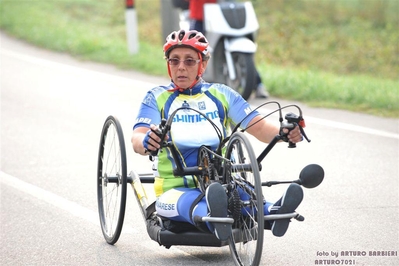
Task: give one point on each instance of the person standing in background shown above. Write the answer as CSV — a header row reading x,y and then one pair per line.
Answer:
x,y
196,15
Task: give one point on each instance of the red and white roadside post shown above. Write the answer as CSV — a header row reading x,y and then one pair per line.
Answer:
x,y
131,27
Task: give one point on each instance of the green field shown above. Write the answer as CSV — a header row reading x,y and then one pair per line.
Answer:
x,y
336,54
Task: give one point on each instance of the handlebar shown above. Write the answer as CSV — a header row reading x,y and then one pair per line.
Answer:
x,y
291,121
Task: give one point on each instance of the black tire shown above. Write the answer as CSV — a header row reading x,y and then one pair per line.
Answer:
x,y
111,180
245,81
246,243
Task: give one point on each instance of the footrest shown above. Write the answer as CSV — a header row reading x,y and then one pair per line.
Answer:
x,y
272,217
224,220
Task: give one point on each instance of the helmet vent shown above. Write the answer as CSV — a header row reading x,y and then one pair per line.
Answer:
x,y
181,34
192,35
202,40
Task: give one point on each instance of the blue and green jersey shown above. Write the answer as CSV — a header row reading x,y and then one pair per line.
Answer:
x,y
219,103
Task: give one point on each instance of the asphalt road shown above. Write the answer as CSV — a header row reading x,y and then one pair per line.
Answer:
x,y
52,111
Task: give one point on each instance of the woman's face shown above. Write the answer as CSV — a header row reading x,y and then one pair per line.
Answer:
x,y
183,73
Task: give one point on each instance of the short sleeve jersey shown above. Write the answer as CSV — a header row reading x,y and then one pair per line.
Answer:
x,y
190,129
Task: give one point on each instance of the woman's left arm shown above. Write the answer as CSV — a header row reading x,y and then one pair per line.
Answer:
x,y
265,131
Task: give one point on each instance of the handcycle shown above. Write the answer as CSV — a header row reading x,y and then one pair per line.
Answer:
x,y
233,164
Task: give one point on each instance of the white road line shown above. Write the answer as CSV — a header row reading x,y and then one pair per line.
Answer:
x,y
340,125
96,74
73,69
349,127
55,200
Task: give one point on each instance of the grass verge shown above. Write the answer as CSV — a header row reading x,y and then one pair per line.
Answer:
x,y
95,30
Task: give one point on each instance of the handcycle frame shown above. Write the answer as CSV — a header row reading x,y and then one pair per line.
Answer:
x,y
230,169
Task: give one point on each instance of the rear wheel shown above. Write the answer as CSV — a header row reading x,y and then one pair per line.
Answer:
x,y
111,180
246,201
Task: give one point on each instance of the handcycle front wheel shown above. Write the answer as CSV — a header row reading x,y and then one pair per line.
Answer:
x,y
246,243
111,180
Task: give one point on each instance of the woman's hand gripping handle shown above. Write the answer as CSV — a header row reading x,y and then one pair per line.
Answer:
x,y
154,137
291,130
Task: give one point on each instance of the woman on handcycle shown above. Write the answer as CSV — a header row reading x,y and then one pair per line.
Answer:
x,y
178,198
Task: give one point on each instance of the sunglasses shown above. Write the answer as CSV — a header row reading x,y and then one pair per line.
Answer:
x,y
187,62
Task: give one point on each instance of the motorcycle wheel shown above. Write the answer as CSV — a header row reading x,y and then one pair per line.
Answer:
x,y
245,81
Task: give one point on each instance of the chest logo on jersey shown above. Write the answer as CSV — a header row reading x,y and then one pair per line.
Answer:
x,y
185,104
201,106
195,118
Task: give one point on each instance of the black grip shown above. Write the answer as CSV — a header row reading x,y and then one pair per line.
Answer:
x,y
290,125
154,153
161,133
291,144
197,219
299,218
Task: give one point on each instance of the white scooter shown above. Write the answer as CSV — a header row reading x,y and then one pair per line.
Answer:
x,y
231,29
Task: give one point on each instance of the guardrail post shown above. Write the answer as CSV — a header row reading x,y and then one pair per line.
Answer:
x,y
131,27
